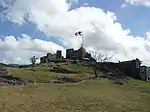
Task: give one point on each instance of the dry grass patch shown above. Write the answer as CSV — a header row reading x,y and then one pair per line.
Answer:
x,y
88,96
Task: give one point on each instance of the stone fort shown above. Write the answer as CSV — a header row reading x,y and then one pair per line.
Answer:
x,y
80,54
131,68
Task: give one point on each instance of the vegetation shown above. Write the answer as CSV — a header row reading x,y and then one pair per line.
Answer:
x,y
92,95
33,60
89,96
41,73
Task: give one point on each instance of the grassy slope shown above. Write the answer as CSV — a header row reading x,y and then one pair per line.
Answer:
x,y
88,96
42,73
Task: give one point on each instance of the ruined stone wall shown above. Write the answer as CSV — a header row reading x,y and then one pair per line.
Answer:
x,y
143,71
81,53
130,68
48,58
147,73
69,53
77,54
58,54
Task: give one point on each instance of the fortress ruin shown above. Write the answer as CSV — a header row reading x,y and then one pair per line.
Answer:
x,y
71,54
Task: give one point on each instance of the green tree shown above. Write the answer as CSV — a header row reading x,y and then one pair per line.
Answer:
x,y
33,60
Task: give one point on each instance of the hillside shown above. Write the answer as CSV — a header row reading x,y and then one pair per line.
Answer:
x,y
42,73
89,95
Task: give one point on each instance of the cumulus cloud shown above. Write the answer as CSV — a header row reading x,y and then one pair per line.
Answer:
x,y
20,49
100,28
137,3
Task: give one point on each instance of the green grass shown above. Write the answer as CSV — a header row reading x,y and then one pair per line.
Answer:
x,y
42,72
88,96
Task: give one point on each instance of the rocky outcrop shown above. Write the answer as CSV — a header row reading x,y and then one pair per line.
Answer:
x,y
3,70
11,80
6,79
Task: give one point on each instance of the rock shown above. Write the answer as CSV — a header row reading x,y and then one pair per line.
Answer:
x,y
3,70
118,82
6,79
11,80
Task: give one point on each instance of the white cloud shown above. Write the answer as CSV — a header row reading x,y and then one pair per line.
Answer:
x,y
20,50
101,28
124,5
85,4
137,2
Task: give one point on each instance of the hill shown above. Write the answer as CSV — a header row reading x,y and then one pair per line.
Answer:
x,y
89,95
46,72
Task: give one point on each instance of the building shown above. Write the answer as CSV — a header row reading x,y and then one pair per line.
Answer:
x,y
76,54
130,68
58,54
49,57
145,73
79,54
69,53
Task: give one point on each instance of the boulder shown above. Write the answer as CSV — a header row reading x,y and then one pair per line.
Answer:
x,y
6,79
3,70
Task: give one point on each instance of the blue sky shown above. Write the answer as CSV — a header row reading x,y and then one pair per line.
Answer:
x,y
54,30
129,17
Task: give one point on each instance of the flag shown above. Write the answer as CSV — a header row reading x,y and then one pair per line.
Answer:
x,y
79,33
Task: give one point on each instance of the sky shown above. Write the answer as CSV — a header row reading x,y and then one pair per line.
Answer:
x,y
35,27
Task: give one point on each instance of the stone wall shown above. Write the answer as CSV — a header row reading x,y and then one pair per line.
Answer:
x,y
49,57
79,54
130,68
147,73
143,70
58,54
69,53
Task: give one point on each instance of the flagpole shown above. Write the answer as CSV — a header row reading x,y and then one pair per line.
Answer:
x,y
82,43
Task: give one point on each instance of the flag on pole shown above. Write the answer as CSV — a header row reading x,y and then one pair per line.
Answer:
x,y
79,33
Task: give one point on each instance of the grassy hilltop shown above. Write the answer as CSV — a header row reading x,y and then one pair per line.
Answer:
x,y
42,73
89,95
